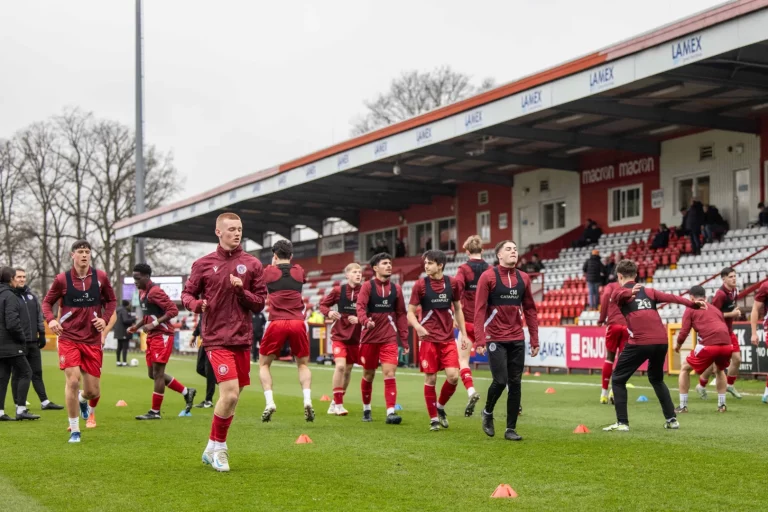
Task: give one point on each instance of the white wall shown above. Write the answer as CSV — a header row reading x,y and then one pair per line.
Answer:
x,y
680,159
563,185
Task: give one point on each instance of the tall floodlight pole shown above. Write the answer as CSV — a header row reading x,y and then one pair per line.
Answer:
x,y
139,128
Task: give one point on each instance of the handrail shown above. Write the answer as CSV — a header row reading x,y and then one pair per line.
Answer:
x,y
718,274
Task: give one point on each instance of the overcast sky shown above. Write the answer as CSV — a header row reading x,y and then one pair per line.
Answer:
x,y
233,87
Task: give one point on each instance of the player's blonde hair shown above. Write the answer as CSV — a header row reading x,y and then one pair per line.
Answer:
x,y
227,216
474,245
352,266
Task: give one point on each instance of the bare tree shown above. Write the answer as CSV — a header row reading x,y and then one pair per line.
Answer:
x,y
11,190
414,93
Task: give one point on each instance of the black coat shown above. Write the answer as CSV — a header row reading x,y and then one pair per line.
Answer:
x,y
124,320
695,218
34,318
594,269
259,320
12,331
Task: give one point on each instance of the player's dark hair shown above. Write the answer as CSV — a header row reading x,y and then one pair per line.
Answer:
x,y
378,258
437,256
126,303
627,268
143,269
283,249
501,244
6,274
697,291
80,244
726,271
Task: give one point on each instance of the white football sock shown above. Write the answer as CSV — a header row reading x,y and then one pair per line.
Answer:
x,y
720,399
209,447
80,397
683,399
440,406
470,391
74,424
20,409
45,402
604,393
366,407
2,412
268,396
219,446
184,392
390,410
307,396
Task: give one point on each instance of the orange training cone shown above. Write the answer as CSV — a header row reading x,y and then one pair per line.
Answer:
x,y
325,398
537,374
303,439
504,491
121,403
581,429
550,391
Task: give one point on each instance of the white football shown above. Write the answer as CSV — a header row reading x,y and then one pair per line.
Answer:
x,y
134,362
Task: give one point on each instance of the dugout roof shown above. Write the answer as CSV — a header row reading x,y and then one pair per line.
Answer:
x,y
708,71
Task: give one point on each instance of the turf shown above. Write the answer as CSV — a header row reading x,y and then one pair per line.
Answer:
x,y
714,459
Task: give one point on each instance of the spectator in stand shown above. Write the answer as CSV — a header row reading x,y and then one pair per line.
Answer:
x,y
661,239
124,319
694,221
714,224
762,218
523,264
400,248
609,268
682,230
590,235
536,262
594,272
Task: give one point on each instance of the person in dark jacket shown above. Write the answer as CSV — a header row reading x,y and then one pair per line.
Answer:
x,y
259,321
714,223
35,342
661,239
13,340
205,369
694,221
124,320
762,217
594,272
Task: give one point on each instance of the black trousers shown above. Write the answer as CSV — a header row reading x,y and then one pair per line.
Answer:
x,y
122,348
629,361
35,360
507,361
210,381
20,366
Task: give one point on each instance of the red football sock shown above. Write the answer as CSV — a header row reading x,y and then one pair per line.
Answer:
x,y
466,378
390,392
366,388
220,427
446,392
731,379
606,373
157,401
430,397
703,382
176,386
93,402
338,396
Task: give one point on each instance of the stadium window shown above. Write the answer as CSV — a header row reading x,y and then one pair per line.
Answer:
x,y
423,238
484,226
380,241
688,188
433,234
553,215
625,205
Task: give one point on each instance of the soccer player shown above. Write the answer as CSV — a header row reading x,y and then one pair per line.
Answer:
x,y
381,312
88,300
158,310
468,276
284,281
647,342
725,301
503,298
345,333
713,347
436,293
758,306
616,336
228,285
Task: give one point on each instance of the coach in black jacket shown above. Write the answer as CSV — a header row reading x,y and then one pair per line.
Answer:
x,y
13,340
35,335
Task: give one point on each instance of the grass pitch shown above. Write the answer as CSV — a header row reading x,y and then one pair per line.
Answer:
x,y
714,461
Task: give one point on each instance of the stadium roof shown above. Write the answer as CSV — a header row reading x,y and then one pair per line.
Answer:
x,y
708,71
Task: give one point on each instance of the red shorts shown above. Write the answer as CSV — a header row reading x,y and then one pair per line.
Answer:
x,y
434,357
735,343
616,336
372,353
231,364
86,356
702,357
350,352
159,348
280,331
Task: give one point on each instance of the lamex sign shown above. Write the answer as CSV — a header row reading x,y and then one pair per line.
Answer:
x,y
473,120
687,50
424,136
532,101
381,149
342,161
625,170
551,348
601,78
310,172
